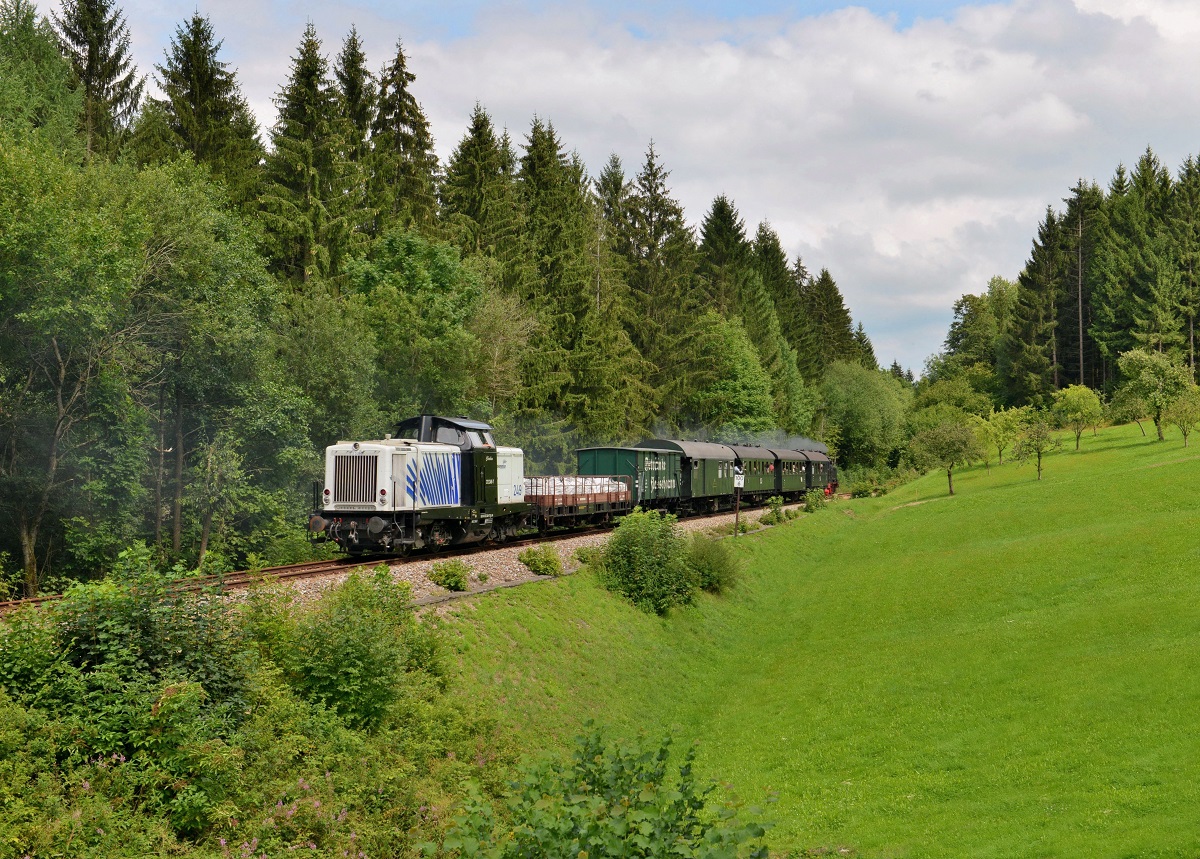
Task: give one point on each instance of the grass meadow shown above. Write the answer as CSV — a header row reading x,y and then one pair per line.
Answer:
x,y
1010,672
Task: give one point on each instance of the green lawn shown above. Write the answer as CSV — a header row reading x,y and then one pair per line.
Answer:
x,y
1014,671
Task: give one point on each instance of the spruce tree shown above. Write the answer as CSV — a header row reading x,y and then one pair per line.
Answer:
x,y
1030,349
866,352
305,202
356,87
724,255
95,38
404,166
1081,223
661,262
1185,230
613,191
204,110
832,325
35,79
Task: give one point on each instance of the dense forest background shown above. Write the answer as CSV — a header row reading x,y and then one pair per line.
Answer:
x,y
192,311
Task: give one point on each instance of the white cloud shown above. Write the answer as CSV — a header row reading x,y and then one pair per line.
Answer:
x,y
912,162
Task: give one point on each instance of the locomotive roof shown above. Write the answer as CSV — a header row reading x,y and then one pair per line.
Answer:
x,y
691,449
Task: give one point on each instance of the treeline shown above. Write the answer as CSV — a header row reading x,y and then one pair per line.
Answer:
x,y
191,312
1116,270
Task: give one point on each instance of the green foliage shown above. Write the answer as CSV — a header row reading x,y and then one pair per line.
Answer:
x,y
348,652
1036,439
775,515
868,408
944,446
1155,379
645,560
1184,412
714,566
542,560
591,556
451,575
611,799
814,500
1078,407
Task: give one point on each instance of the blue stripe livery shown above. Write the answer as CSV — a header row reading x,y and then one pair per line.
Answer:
x,y
436,484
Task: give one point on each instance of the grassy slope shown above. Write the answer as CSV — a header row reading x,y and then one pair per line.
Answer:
x,y
1011,672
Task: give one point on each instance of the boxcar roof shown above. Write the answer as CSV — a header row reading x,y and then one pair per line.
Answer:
x,y
817,456
691,449
750,452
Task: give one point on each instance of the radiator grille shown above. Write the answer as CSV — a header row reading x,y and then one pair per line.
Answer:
x,y
354,479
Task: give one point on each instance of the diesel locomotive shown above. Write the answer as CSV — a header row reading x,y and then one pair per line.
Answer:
x,y
443,481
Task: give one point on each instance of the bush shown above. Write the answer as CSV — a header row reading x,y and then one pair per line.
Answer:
x,y
591,556
646,561
714,566
610,799
814,500
451,575
774,516
350,650
542,560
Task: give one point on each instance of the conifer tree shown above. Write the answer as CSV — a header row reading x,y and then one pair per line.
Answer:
x,y
1030,365
35,79
356,86
305,202
1121,268
724,255
404,166
1185,230
1079,355
95,39
613,191
832,326
660,268
480,207
204,110
866,352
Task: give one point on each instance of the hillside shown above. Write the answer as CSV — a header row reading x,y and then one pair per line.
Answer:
x,y
1008,672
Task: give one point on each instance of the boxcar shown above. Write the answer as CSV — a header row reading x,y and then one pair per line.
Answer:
x,y
707,472
656,474
822,473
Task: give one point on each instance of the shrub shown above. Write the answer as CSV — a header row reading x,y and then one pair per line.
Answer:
x,y
775,515
646,561
713,564
350,650
591,556
610,799
451,575
542,560
814,500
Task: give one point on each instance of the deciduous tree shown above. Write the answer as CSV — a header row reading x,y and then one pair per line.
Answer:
x,y
944,446
1078,407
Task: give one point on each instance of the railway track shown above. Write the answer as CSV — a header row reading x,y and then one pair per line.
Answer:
x,y
229,582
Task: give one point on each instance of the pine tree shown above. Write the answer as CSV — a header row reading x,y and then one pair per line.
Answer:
x,y
724,255
1081,224
204,109
306,201
404,164
832,326
866,352
356,86
480,207
1185,230
95,39
661,263
1030,365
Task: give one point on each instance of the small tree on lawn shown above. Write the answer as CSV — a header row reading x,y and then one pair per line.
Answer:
x,y
1154,378
944,446
1127,406
1185,411
1078,407
1036,439
1003,428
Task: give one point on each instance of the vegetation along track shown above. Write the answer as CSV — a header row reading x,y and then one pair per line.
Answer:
x,y
226,582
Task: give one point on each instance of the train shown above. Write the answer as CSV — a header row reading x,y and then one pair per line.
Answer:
x,y
444,481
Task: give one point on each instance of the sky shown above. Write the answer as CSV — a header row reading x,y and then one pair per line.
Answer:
x,y
909,147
